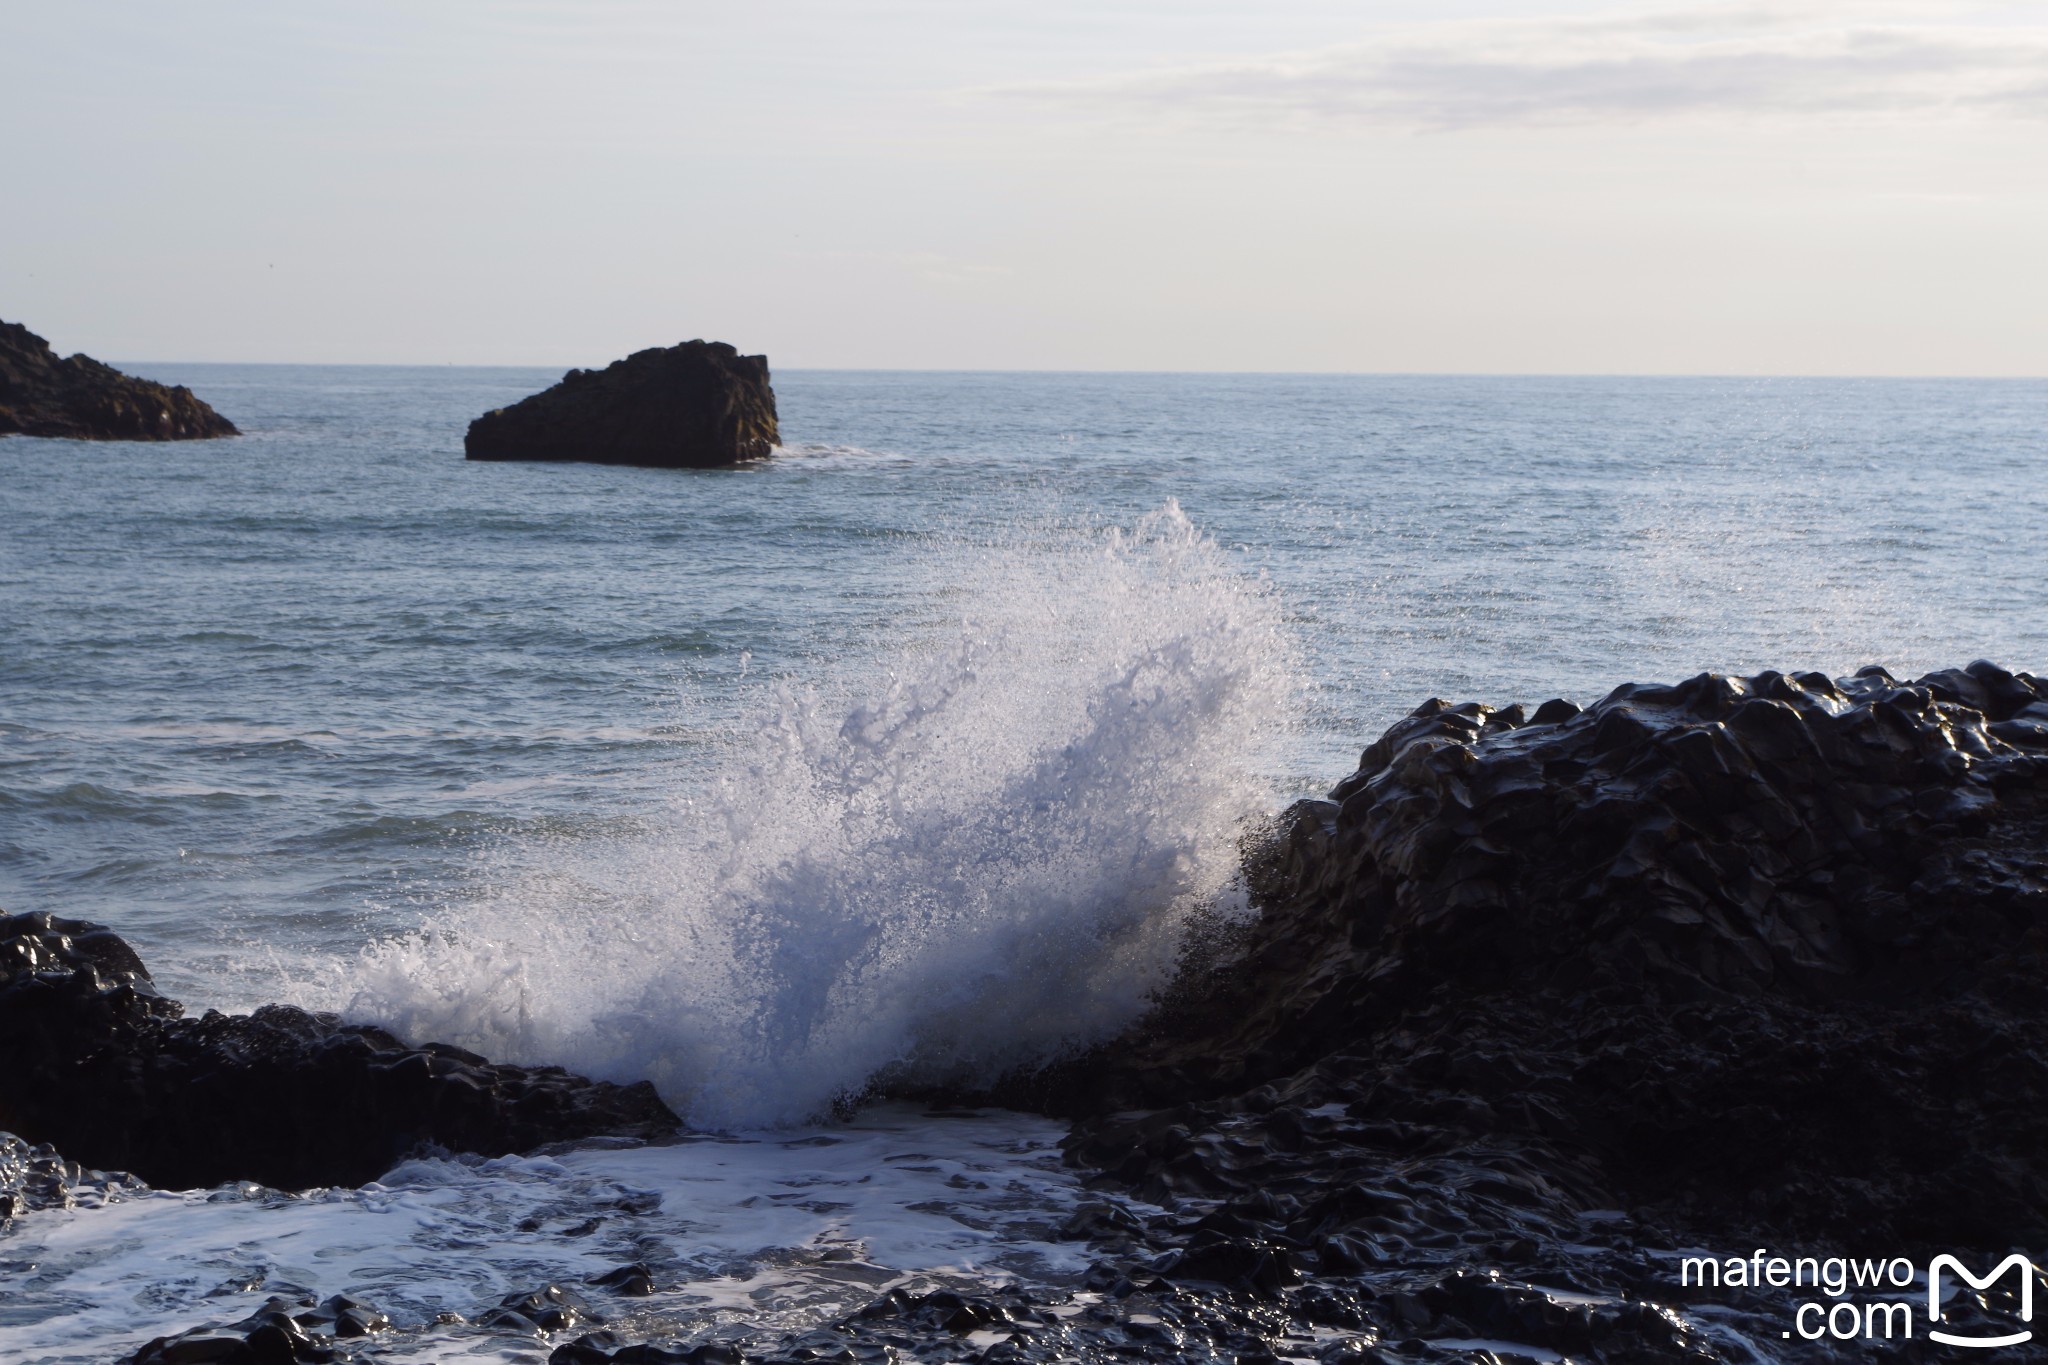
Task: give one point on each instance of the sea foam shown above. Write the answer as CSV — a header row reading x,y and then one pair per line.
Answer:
x,y
978,849
758,1233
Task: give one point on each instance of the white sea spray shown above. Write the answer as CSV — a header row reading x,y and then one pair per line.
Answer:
x,y
975,859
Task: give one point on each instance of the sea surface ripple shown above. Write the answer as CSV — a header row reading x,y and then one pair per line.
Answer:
x,y
265,701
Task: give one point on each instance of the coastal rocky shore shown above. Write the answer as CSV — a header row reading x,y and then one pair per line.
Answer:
x,y
1538,998
1534,1002
1769,951
44,394
697,405
112,1074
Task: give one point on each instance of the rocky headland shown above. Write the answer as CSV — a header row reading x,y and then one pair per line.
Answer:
x,y
1533,1002
99,1065
1536,999
697,405
1756,954
43,394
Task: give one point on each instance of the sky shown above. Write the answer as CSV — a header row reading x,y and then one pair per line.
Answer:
x,y
1463,186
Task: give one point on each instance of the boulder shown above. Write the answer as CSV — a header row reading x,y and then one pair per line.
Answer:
x,y
694,406
83,400
95,1061
1755,958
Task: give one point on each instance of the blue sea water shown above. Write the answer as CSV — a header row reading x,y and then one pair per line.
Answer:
x,y
911,750
266,701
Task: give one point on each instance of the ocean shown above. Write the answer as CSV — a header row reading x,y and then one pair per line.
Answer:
x,y
906,755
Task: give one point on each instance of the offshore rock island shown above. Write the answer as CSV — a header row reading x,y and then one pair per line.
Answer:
x,y
697,405
80,399
1533,1001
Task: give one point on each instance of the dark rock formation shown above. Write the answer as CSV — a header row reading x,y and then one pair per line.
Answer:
x,y
693,406
1532,1002
283,1331
1760,958
95,1062
79,398
39,1177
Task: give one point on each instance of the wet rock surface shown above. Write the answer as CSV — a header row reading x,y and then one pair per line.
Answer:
x,y
37,1177
697,405
111,1073
1535,1004
1212,1301
1127,1310
284,1331
43,394
1537,999
1769,952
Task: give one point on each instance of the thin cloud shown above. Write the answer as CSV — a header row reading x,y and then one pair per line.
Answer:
x,y
1713,62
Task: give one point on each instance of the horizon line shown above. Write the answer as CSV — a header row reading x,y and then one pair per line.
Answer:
x,y
1154,373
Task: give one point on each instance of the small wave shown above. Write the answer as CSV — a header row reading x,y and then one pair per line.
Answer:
x,y
985,856
663,642
823,450
386,832
89,801
117,872
257,749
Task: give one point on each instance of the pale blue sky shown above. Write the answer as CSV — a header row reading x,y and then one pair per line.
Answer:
x,y
1794,187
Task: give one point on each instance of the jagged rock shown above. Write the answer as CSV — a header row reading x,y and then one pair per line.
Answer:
x,y
550,1308
79,398
1532,1001
1745,956
694,406
98,1064
34,1177
636,1279
284,1331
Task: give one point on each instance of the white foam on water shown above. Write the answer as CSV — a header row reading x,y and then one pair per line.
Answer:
x,y
821,451
776,1231
977,847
